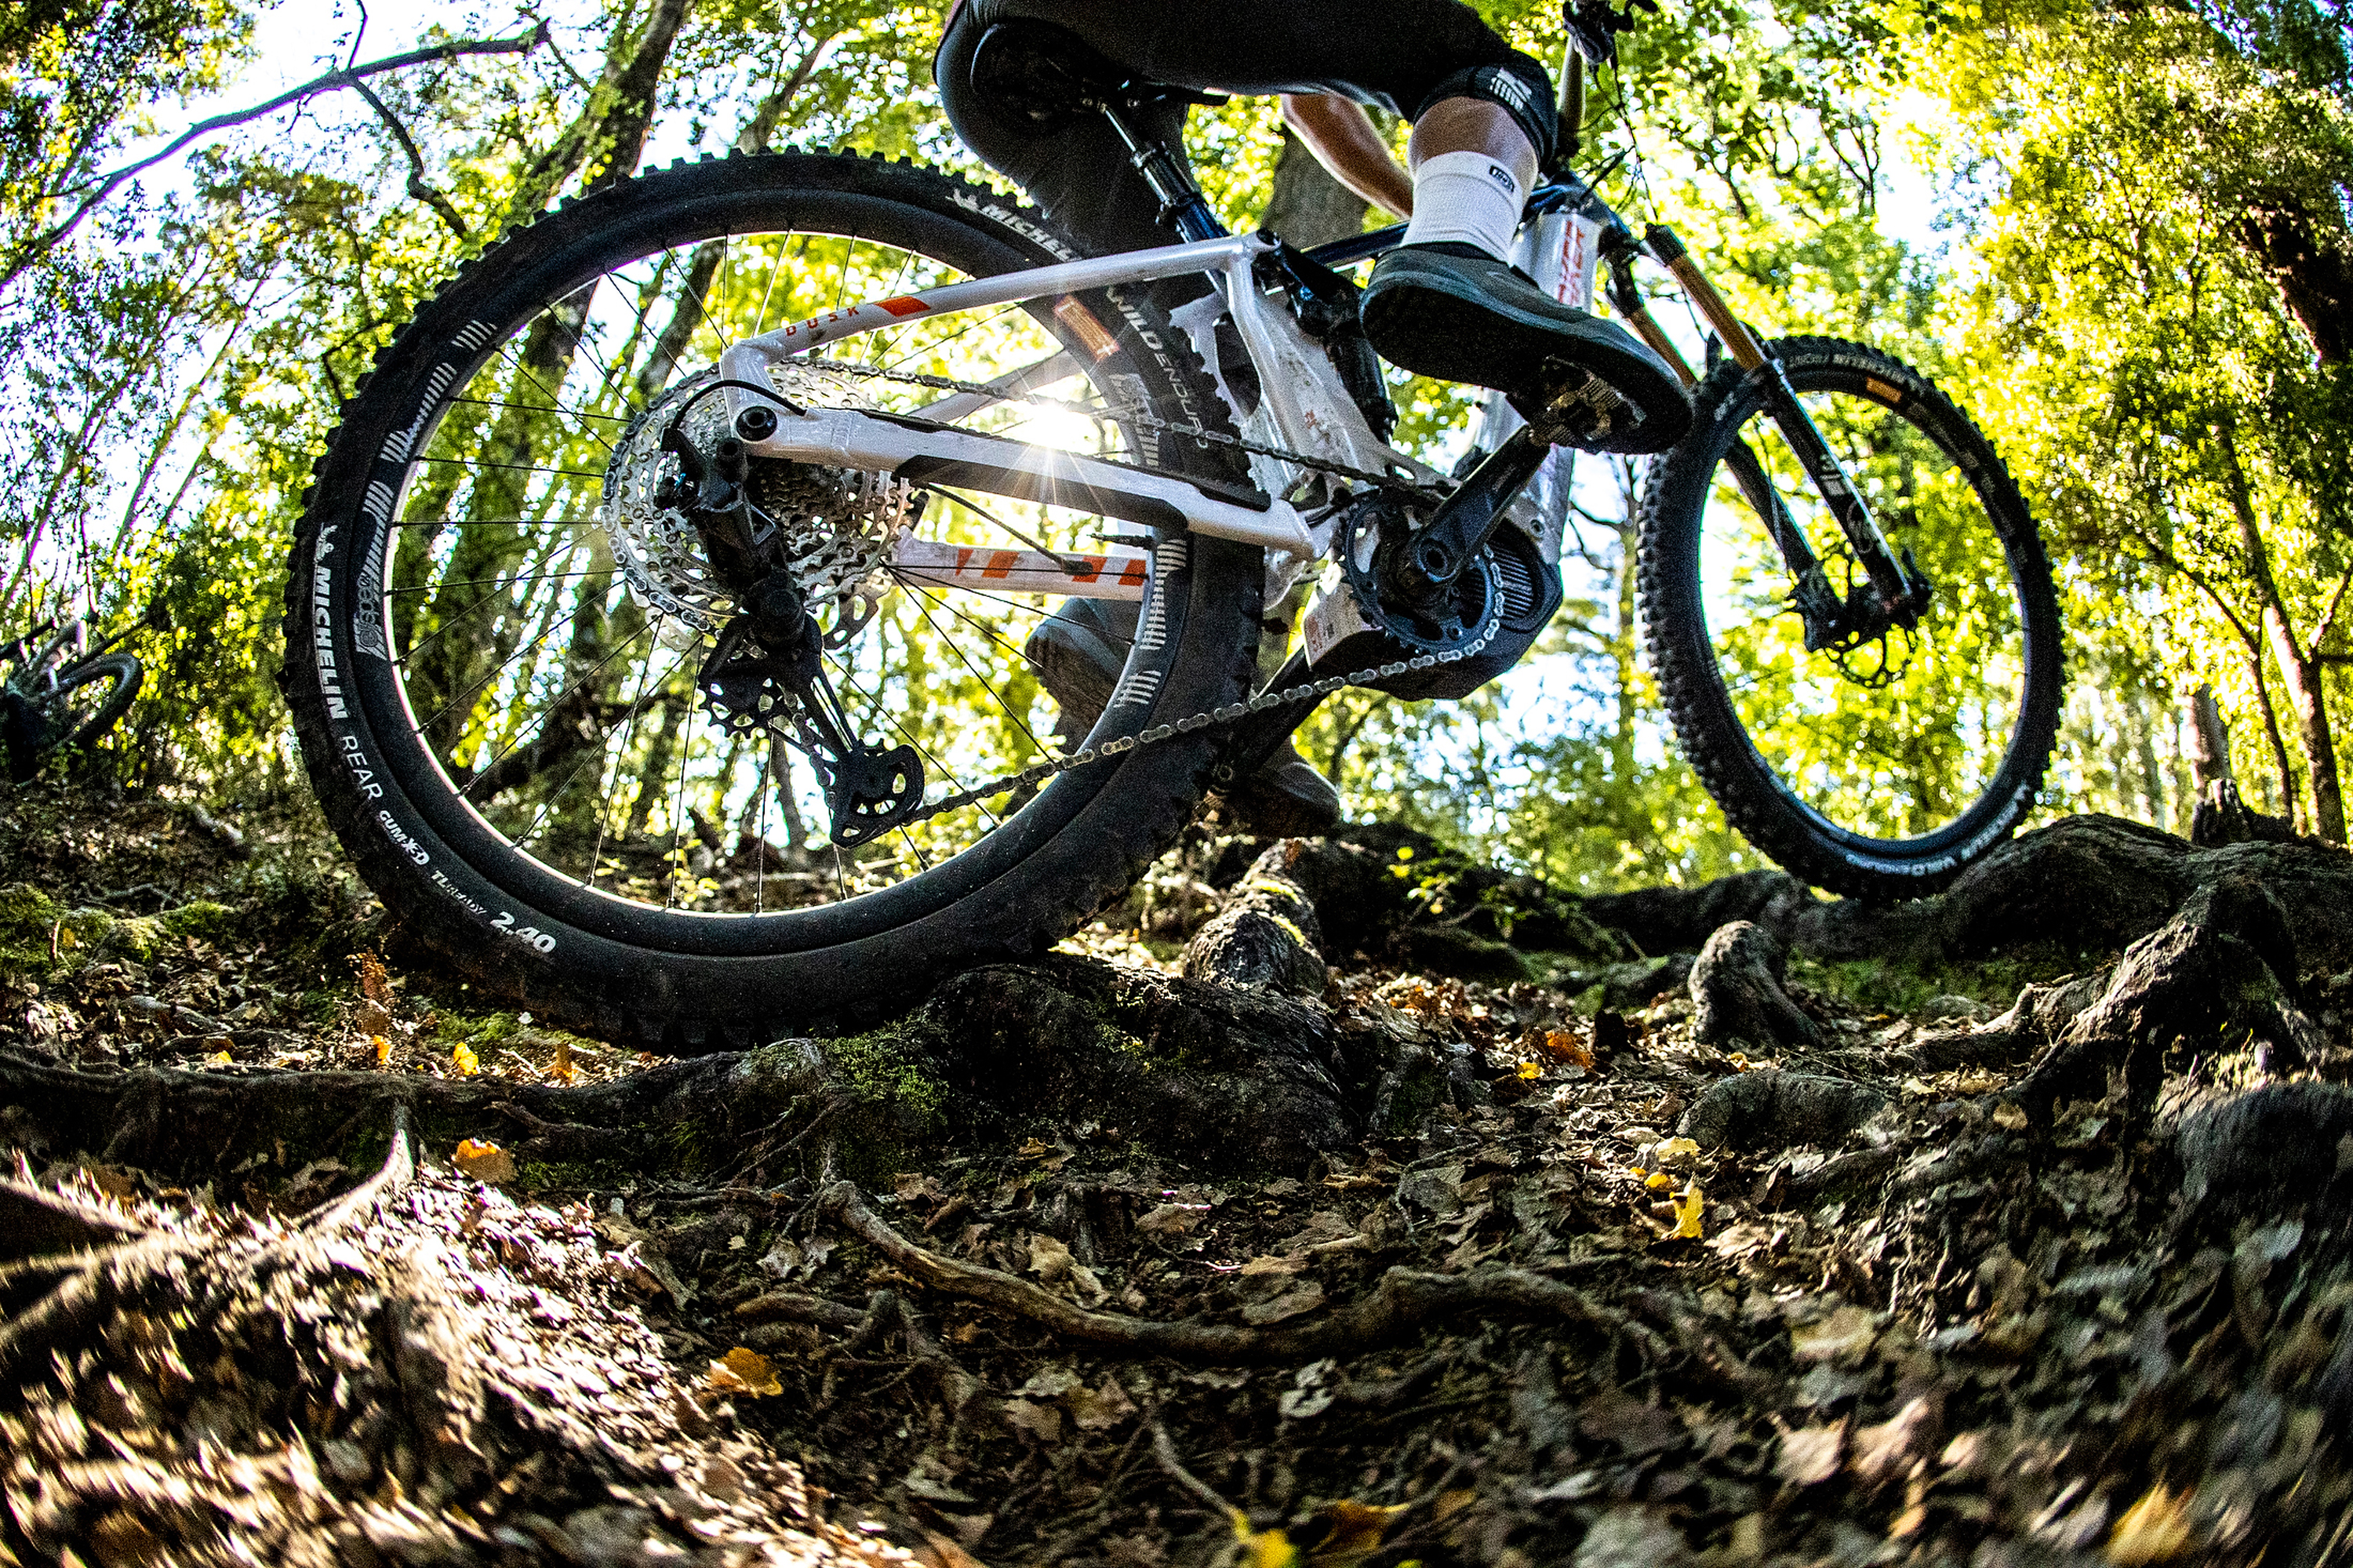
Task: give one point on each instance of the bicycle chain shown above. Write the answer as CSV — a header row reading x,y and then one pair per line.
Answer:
x,y
1218,718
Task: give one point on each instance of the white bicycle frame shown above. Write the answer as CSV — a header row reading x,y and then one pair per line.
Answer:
x,y
1303,408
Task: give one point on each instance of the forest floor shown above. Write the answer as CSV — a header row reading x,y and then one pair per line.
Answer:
x,y
1436,1218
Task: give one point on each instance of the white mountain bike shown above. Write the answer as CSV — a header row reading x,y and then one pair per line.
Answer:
x,y
658,610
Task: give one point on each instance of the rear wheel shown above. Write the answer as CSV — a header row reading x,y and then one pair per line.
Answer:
x,y
1878,770
500,627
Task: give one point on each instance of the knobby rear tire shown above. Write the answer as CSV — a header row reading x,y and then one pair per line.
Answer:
x,y
663,979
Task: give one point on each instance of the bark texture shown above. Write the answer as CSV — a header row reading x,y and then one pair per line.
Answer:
x,y
1736,990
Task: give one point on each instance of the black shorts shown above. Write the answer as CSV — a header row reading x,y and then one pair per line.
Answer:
x,y
1398,55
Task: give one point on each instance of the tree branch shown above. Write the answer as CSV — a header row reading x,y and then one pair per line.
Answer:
x,y
42,244
418,187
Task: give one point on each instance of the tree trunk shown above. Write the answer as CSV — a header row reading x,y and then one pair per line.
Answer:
x,y
2299,672
2315,280
1309,206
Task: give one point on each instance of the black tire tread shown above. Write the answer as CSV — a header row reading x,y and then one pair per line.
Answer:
x,y
598,1006
1692,692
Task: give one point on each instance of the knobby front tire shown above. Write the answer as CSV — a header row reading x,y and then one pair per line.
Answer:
x,y
1881,775
509,740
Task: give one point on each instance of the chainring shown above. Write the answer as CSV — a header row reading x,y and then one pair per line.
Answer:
x,y
1464,615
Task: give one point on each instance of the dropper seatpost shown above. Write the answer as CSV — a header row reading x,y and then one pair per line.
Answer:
x,y
1570,136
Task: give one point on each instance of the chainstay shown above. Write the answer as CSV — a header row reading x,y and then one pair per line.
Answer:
x,y
1214,718
1132,416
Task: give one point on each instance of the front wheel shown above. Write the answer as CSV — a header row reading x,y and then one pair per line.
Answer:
x,y
1878,768
88,700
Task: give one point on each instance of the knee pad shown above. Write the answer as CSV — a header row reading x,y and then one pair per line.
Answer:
x,y
1519,86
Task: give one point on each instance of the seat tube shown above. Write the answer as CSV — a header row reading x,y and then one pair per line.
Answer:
x,y
1181,201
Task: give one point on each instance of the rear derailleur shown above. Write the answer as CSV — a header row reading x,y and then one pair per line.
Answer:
x,y
767,672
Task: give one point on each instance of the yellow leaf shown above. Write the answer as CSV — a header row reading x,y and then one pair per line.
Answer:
x,y
463,1057
745,1370
1739,1060
1352,1531
2008,1115
1567,1047
218,1059
1640,1172
1676,1148
1531,1070
1687,1208
1658,1179
564,1072
2154,1529
484,1161
1263,1548
383,1051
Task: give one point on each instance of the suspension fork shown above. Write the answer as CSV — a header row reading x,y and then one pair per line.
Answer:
x,y
1898,590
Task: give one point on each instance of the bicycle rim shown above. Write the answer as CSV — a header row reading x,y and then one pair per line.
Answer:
x,y
542,667
1905,746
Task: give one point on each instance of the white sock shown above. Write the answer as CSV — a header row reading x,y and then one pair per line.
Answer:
x,y
1467,197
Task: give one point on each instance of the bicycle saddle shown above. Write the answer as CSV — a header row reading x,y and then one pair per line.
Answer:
x,y
1047,74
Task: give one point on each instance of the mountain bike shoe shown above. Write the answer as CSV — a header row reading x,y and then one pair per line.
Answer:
x,y
1452,312
1078,652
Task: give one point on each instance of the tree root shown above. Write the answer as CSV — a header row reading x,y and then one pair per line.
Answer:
x,y
2224,969
1736,995
99,1281
1402,1303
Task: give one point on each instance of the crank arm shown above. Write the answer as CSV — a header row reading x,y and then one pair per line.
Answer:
x,y
1459,529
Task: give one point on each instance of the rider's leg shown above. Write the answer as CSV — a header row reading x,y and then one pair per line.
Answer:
x,y
1447,303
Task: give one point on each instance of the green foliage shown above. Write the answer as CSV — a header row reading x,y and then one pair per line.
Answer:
x,y
172,371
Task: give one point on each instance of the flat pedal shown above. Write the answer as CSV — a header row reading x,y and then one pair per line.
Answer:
x,y
1581,409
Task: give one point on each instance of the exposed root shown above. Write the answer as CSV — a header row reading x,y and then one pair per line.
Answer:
x,y
1404,1301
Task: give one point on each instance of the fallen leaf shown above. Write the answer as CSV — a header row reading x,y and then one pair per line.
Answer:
x,y
1531,1070
1657,1179
1049,1260
484,1161
942,1551
463,1057
1302,1298
1263,1548
1687,1212
1844,1337
2155,1530
218,1059
1098,1410
1810,1455
1171,1219
1043,1422
1676,1152
745,1370
564,1071
1352,1531
383,1051
2010,1116
1563,1047
1882,1452
1310,1391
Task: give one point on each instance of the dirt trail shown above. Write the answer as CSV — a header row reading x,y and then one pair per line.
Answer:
x,y
1323,1205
